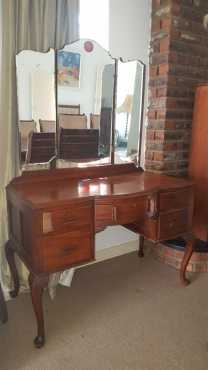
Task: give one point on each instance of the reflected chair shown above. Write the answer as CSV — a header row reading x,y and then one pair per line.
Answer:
x,y
47,126
73,121
25,127
95,121
41,147
69,109
78,144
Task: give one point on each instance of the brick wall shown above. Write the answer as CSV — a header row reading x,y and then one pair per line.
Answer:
x,y
178,62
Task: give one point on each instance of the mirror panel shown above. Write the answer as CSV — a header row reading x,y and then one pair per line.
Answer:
x,y
85,88
36,107
128,111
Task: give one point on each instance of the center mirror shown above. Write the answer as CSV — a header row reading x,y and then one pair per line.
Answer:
x,y
85,89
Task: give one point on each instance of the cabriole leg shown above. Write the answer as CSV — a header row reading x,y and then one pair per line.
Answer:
x,y
37,284
186,258
13,269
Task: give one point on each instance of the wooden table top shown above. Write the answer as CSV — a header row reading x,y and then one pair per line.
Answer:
x,y
56,191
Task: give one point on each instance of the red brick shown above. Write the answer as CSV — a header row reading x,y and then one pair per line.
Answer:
x,y
179,62
164,45
153,71
163,69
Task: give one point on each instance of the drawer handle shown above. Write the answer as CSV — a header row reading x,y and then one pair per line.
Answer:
x,y
69,222
68,249
152,206
172,223
47,224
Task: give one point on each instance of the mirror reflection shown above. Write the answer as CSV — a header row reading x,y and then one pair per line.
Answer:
x,y
85,79
76,86
36,106
128,107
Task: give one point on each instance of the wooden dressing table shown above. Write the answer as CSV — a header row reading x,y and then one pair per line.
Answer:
x,y
54,215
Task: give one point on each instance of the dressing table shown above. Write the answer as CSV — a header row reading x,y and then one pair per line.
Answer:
x,y
54,214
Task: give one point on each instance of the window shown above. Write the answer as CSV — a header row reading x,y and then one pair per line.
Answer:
x,y
94,21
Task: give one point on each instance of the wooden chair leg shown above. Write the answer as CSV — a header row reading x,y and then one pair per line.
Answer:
x,y
13,269
37,284
186,258
141,246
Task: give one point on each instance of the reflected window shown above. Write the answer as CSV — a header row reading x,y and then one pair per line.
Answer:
x,y
127,111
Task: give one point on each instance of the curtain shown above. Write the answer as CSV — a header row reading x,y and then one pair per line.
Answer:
x,y
24,24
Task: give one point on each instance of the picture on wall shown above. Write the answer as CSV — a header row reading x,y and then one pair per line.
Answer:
x,y
69,68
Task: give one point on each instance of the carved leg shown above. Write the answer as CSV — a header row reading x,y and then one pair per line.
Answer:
x,y
141,246
186,258
13,269
37,283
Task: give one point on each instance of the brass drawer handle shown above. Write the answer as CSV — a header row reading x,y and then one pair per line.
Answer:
x,y
47,224
152,206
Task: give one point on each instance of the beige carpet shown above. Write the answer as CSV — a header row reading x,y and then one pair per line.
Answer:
x,y
122,314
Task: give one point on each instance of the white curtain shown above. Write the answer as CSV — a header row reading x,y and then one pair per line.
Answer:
x,y
24,24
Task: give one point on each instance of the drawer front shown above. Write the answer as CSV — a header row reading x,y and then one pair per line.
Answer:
x,y
120,211
175,199
65,250
130,210
173,224
104,215
68,218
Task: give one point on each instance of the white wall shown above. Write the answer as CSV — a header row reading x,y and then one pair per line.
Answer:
x,y
129,25
129,36
92,65
32,65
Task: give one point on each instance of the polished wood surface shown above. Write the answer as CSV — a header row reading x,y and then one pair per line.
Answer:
x,y
54,215
125,181
198,167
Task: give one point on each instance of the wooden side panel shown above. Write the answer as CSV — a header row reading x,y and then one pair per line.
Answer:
x,y
175,199
198,168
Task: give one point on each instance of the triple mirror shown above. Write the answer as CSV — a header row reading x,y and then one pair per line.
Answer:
x,y
78,105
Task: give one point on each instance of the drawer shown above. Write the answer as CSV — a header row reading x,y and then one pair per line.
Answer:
x,y
175,199
120,211
130,209
68,218
65,250
173,224
104,215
